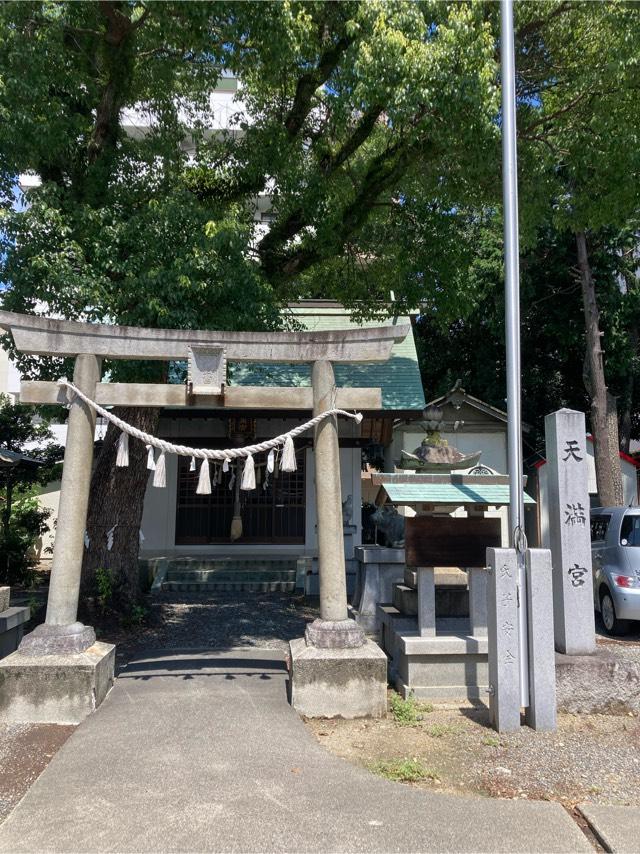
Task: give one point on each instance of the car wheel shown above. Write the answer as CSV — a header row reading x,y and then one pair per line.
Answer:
x,y
612,625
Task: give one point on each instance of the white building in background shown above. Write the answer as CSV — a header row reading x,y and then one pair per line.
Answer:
x,y
9,377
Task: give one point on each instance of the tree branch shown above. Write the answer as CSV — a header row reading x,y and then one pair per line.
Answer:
x,y
361,133
383,171
309,82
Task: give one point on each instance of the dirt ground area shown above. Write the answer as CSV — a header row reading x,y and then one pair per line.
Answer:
x,y
590,758
25,751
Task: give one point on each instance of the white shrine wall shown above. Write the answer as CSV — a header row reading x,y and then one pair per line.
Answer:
x,y
159,516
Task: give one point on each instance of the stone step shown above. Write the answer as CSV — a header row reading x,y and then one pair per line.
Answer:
x,y
239,576
235,565
396,621
405,599
230,587
451,601
445,577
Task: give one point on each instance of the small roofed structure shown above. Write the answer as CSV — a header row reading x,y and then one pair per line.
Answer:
x,y
431,492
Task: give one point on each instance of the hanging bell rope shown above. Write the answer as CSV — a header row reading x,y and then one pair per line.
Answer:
x,y
204,453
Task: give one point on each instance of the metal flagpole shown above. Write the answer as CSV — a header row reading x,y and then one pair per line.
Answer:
x,y
512,326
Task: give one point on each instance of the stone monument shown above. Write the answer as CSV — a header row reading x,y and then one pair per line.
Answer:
x,y
573,611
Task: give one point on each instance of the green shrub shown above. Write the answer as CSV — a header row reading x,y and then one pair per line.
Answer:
x,y
136,616
104,587
18,540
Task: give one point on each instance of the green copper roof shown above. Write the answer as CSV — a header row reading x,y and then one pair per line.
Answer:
x,y
450,493
399,378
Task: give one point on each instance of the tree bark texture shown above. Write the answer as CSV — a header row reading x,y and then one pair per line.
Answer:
x,y
116,501
604,416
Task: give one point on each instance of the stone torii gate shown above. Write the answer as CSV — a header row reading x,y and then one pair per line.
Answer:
x,y
60,672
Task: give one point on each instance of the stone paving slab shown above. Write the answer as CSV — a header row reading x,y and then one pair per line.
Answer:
x,y
200,751
617,827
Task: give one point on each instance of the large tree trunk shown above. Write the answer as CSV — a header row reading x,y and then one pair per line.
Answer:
x,y
117,499
604,416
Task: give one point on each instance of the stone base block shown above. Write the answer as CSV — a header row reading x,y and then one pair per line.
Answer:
x,y
334,634
338,683
48,639
449,694
450,666
5,598
451,599
12,623
374,585
56,689
600,683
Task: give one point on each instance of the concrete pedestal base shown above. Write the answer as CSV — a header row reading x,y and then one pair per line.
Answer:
x,y
57,689
378,569
12,622
334,634
48,639
338,683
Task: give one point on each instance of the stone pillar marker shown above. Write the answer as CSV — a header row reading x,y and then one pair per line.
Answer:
x,y
541,711
61,633
478,600
567,460
504,651
426,601
334,630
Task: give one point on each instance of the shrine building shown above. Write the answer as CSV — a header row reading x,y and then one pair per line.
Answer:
x,y
279,516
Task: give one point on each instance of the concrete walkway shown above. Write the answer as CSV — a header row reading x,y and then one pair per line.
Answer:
x,y
200,751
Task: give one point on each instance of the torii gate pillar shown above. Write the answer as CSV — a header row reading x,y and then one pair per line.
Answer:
x,y
66,566
334,630
60,673
335,670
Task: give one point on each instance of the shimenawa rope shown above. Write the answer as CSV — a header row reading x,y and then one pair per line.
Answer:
x,y
284,440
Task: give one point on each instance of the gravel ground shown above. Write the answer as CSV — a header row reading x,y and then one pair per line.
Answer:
x,y
220,621
590,758
626,647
